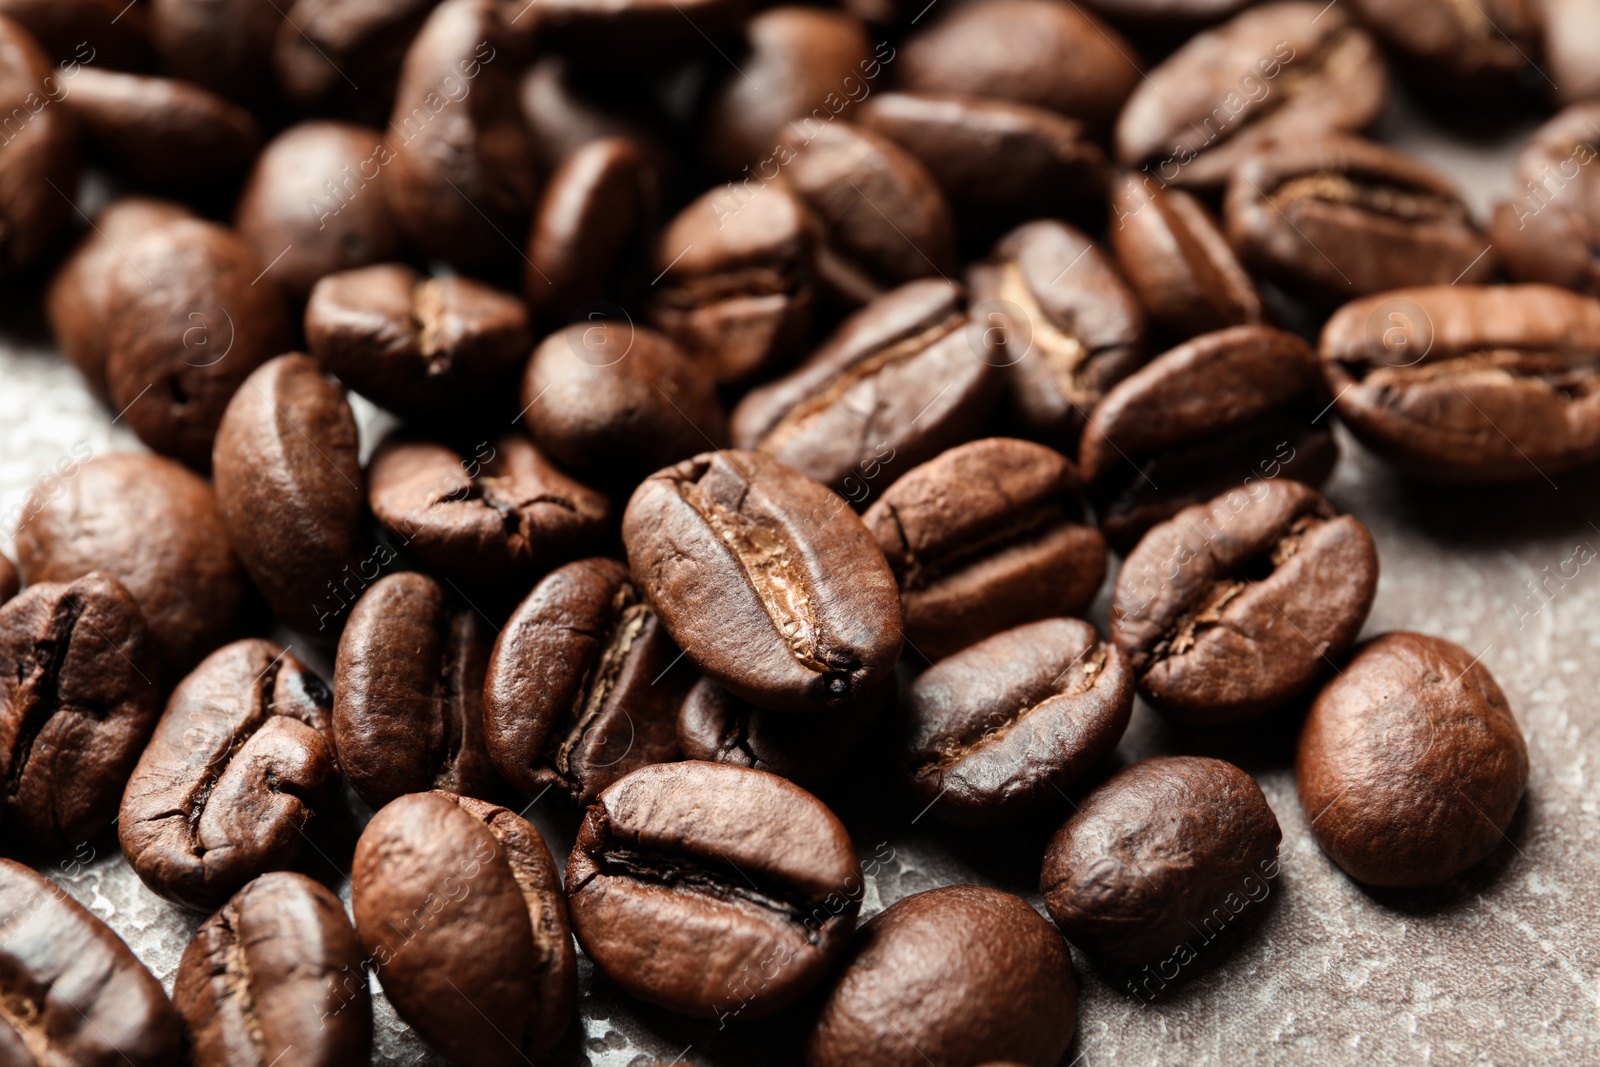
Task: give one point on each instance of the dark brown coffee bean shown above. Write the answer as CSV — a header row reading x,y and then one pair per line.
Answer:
x,y
240,764
736,285
153,526
623,35
1470,384
343,56
766,580
1159,13
501,515
110,35
222,45
1550,228
1169,850
408,693
415,345
563,114
289,486
79,695
1287,68
1217,412
1176,259
1335,217
313,205
40,151
459,904
987,536
985,950
1572,49
1233,607
1477,50
74,992
9,581
1411,763
580,689
276,973
715,891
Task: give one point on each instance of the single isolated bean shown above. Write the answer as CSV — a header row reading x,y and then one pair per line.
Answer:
x,y
40,150
1549,230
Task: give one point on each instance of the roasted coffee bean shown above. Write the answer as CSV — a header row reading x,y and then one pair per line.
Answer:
x,y
417,346
153,526
494,944
1335,217
580,688
622,36
765,579
74,992
278,968
1169,850
222,45
903,379
9,582
1219,411
501,515
291,219
343,56
408,693
1070,327
1470,384
987,536
715,891
563,114
984,950
241,763
1549,231
1477,50
42,152
1572,48
1158,13
735,284
1233,607
72,32
1288,68
1411,764
288,479
79,695
615,401
1176,259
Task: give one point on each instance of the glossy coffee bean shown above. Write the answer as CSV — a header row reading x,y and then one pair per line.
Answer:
x,y
240,765
322,43
289,486
1233,607
1572,49
1547,231
222,45
901,380
563,113
277,972
155,527
1220,411
1166,853
495,947
984,537
79,695
715,891
985,950
81,996
9,581
408,693
1411,763
1478,51
1470,384
40,153
75,32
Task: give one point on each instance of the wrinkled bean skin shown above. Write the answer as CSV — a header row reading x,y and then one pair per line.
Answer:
x,y
1549,231
40,153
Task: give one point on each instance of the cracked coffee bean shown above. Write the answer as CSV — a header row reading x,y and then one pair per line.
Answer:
x,y
40,150
241,763
1168,851
1549,231
1411,764
1233,607
278,968
581,687
714,891
767,580
459,904
1458,51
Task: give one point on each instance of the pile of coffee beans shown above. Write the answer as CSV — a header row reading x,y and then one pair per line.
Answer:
x,y
767,393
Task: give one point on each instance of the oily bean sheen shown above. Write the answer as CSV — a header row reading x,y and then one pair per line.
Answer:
x,y
1410,765
79,696
1549,231
459,904
987,536
901,380
1572,49
321,43
408,693
580,689
1222,410
767,580
40,149
1335,217
288,483
240,763
715,891
1010,725
1470,384
109,34
1233,607
74,993
1170,849
276,976
1004,981
9,582
1477,50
